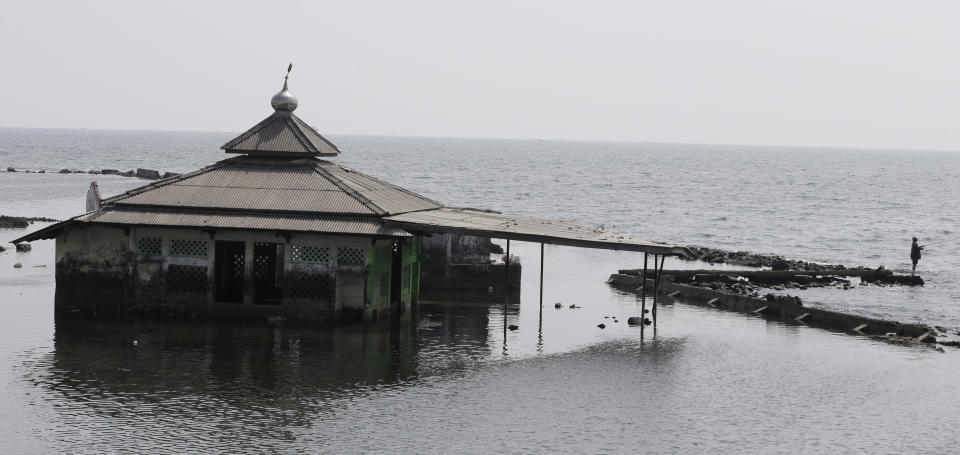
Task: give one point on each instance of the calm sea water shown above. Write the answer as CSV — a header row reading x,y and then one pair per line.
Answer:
x,y
455,381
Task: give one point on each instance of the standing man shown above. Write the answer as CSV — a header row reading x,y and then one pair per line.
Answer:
x,y
915,255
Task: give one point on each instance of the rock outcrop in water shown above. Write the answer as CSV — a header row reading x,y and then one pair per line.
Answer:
x,y
775,262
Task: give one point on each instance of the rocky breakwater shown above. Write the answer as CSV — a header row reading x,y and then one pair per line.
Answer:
x,y
20,222
747,259
147,174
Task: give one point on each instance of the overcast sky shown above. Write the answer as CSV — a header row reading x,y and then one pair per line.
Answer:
x,y
838,73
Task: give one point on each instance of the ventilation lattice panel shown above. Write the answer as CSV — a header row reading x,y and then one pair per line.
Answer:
x,y
319,287
149,245
310,254
186,279
194,248
351,256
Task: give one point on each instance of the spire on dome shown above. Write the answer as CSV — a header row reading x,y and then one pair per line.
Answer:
x,y
284,101
282,134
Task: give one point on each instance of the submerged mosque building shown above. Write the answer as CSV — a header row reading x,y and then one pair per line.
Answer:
x,y
276,230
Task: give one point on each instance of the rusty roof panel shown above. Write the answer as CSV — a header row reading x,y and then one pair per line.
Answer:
x,y
138,216
490,224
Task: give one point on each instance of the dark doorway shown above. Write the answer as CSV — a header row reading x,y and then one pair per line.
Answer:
x,y
396,267
229,259
267,272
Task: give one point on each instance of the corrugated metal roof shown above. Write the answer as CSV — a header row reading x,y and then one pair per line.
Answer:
x,y
138,216
281,134
265,199
498,225
277,185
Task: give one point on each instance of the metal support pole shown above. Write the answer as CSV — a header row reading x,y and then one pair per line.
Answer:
x,y
656,283
540,322
643,282
541,278
506,270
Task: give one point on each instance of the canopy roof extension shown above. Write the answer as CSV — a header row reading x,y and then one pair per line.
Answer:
x,y
450,220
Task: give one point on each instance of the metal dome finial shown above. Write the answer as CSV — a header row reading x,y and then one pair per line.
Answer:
x,y
284,101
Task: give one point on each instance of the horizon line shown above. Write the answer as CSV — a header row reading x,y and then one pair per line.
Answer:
x,y
490,138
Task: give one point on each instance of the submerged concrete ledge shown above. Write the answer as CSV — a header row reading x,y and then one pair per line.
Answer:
x,y
782,308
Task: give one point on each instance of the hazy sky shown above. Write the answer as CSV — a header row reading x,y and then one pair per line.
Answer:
x,y
840,73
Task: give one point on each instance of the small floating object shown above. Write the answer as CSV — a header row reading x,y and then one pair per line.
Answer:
x,y
558,305
136,343
646,321
513,327
634,320
645,311
17,265
573,306
606,317
602,326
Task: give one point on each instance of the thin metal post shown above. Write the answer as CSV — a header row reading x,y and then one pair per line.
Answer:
x,y
541,277
656,283
643,281
540,322
506,271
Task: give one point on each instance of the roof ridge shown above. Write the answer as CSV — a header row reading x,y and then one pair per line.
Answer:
x,y
250,132
298,133
348,189
165,182
302,124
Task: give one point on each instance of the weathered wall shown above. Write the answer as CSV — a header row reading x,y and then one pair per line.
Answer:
x,y
94,270
172,271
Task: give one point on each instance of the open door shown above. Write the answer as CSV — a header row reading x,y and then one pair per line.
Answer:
x,y
229,262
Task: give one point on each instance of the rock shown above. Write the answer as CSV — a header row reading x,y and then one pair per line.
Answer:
x,y
17,265
634,320
65,171
109,171
148,174
646,321
513,327
167,175
602,326
940,328
780,265
41,171
93,172
10,169
17,222
558,305
645,311
127,174
2,248
24,247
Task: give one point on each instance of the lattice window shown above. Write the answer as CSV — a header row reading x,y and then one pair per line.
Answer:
x,y
320,287
310,254
263,267
186,279
149,245
351,256
405,280
195,248
237,265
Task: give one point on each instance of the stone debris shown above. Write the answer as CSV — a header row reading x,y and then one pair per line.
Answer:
x,y
775,262
17,265
24,247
